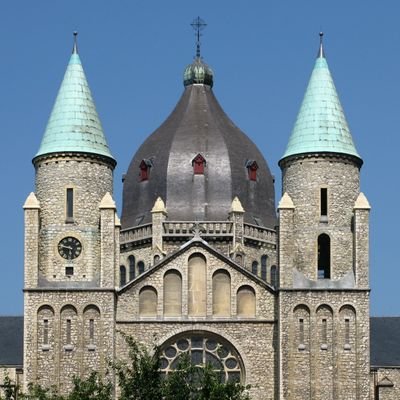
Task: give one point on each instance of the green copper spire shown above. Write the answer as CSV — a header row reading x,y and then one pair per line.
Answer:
x,y
74,125
321,126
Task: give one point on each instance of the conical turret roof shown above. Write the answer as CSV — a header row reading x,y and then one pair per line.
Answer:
x,y
74,125
321,126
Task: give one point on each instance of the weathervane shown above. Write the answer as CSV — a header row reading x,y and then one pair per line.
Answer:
x,y
198,25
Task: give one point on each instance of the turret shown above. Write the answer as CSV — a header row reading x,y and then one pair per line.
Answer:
x,y
74,171
320,174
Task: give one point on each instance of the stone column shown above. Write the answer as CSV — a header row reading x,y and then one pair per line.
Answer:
x,y
285,241
236,215
31,242
159,215
361,241
107,241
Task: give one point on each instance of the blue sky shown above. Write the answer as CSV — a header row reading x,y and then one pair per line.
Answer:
x,y
262,53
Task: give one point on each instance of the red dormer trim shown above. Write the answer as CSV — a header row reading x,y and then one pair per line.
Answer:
x,y
198,163
252,168
144,173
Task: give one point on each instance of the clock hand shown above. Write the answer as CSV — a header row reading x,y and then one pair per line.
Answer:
x,y
66,247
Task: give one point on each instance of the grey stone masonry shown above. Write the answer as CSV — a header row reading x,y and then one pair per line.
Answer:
x,y
303,179
361,241
31,241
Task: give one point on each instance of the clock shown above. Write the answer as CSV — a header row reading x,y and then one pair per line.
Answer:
x,y
69,248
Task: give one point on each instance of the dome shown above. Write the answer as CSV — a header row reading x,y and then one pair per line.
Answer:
x,y
198,72
198,161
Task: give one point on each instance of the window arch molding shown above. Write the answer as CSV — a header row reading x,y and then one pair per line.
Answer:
x,y
203,345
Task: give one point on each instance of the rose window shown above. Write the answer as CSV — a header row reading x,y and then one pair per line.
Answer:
x,y
203,350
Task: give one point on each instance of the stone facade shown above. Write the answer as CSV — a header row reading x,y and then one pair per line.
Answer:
x,y
285,309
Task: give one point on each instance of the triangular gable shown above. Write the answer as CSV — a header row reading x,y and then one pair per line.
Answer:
x,y
203,244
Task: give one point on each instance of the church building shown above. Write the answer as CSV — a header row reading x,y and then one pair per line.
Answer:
x,y
200,260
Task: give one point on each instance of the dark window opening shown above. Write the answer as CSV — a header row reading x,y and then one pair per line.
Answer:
x,y
239,259
156,259
70,205
45,331
91,330
199,162
324,202
69,271
145,166
252,168
122,275
274,276
324,257
347,331
254,268
324,335
140,267
264,260
132,266
68,331
301,331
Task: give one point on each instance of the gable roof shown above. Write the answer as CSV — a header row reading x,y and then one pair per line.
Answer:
x,y
11,341
385,343
198,241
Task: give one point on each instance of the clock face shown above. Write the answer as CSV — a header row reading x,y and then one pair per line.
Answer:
x,y
69,248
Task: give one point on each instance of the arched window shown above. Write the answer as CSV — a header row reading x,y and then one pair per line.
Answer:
x,y
221,294
252,168
156,259
148,302
140,265
202,348
198,163
246,302
122,275
264,261
324,257
254,267
197,289
301,323
239,259
91,318
45,321
172,294
69,327
274,276
132,266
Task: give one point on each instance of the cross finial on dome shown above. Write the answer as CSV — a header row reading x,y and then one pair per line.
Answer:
x,y
198,25
321,53
75,48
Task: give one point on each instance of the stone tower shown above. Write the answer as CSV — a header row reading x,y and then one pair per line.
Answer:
x,y
323,253
71,242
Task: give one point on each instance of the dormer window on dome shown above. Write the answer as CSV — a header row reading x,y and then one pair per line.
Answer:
x,y
199,162
252,168
145,166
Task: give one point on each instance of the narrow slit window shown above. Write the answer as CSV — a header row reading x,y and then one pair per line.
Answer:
x,y
324,202
324,257
301,331
70,204
132,266
140,267
45,331
254,268
122,275
69,325
91,330
347,332
264,261
324,335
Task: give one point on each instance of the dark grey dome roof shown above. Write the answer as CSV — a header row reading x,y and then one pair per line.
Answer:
x,y
198,125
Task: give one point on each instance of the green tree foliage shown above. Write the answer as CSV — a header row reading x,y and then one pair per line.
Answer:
x,y
8,389
139,377
91,388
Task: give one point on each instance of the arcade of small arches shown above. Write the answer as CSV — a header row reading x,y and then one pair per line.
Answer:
x,y
258,268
